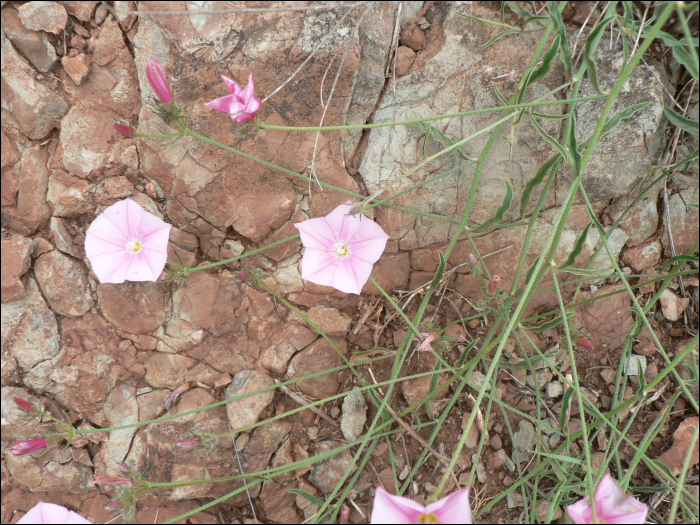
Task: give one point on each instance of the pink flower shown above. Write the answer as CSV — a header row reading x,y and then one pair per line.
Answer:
x,y
22,448
124,129
340,249
492,287
425,343
23,404
396,509
51,513
126,243
241,104
114,480
159,82
612,505
585,343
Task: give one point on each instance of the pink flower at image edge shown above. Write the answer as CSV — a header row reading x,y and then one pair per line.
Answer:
x,y
340,249
612,505
241,104
22,448
126,243
159,82
51,513
397,509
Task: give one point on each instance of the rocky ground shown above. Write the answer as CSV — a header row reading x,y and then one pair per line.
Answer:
x,y
109,355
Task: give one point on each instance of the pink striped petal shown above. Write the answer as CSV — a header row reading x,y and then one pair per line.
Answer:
x,y
222,104
394,509
452,509
51,513
233,88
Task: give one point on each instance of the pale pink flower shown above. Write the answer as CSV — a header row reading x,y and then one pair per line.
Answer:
x,y
126,243
51,513
612,505
241,104
425,343
22,448
159,82
396,509
340,249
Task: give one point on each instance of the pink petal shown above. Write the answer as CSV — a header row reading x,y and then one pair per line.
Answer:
x,y
614,506
319,266
580,512
222,104
233,88
344,226
452,509
394,509
249,92
351,275
369,250
111,268
316,234
51,513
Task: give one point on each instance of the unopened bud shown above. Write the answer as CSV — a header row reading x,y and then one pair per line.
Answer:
x,y
125,130
192,442
472,258
23,404
585,343
492,287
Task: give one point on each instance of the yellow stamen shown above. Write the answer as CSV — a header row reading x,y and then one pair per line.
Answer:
x,y
428,518
133,246
341,249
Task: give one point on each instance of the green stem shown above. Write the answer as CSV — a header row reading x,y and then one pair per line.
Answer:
x,y
431,119
243,256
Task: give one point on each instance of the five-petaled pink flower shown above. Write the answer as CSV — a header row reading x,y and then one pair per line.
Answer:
x,y
396,509
340,249
126,243
51,513
27,447
241,104
159,82
612,505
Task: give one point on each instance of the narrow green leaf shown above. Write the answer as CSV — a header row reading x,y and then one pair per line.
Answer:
x,y
431,388
680,53
313,499
519,10
551,140
440,271
565,402
497,37
684,123
463,357
548,117
549,324
500,212
584,272
624,114
552,163
589,50
500,95
564,50
542,71
578,247
678,258
574,155
531,269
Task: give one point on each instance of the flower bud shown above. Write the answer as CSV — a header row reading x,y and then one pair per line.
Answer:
x,y
191,442
22,448
113,505
114,480
243,276
23,404
159,82
472,258
122,467
585,343
492,287
125,130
